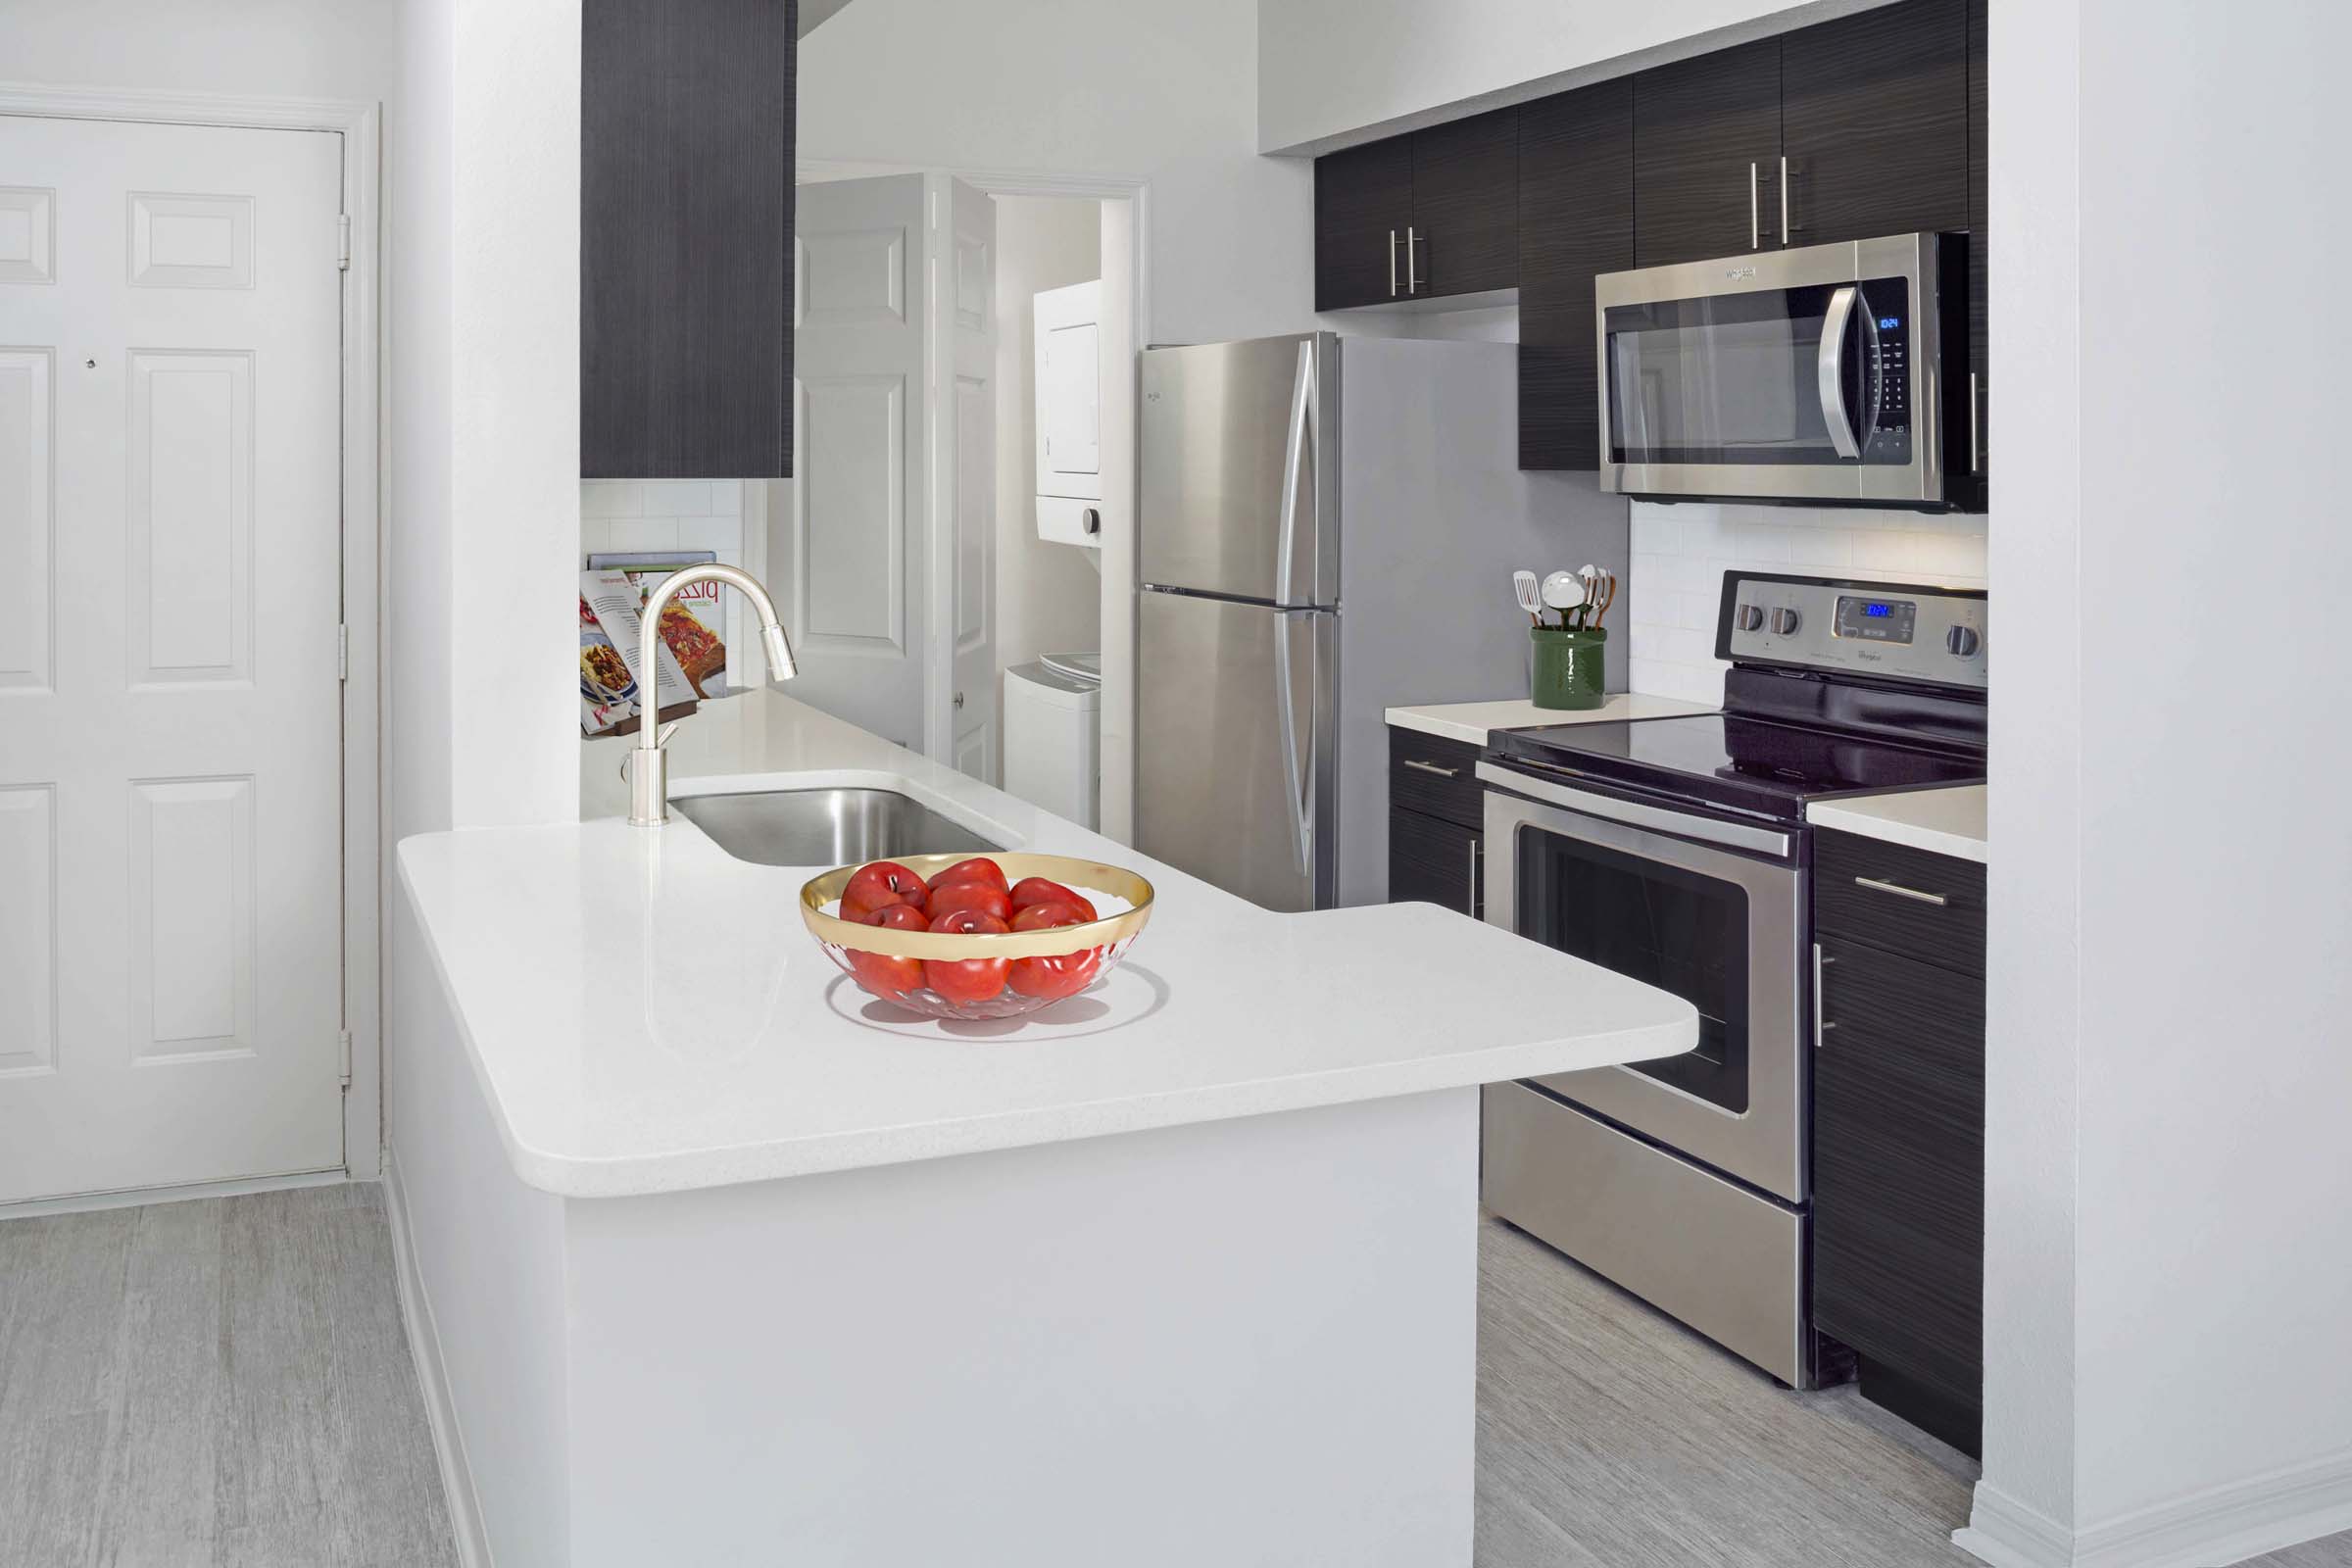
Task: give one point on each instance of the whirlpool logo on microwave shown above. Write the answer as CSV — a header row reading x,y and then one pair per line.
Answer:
x,y
1736,274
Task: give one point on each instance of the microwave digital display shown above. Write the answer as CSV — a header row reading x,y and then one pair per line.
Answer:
x,y
1877,620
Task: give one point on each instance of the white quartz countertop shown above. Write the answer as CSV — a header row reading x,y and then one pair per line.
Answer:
x,y
1949,820
1470,721
737,1053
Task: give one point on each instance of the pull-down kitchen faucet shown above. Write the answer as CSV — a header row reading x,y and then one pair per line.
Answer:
x,y
649,764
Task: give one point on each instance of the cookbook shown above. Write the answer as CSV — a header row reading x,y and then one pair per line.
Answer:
x,y
610,630
692,622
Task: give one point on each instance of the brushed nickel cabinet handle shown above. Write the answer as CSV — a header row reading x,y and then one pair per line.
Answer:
x,y
1391,264
1432,768
1412,272
1821,1025
1901,891
1755,233
1784,229
1976,450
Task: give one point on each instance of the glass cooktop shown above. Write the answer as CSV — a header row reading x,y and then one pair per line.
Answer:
x,y
1747,764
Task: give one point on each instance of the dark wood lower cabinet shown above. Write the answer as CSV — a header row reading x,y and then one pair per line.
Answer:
x,y
1432,860
1898,1181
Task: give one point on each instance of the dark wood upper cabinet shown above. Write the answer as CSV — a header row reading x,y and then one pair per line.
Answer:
x,y
1465,224
1874,122
1416,217
1363,206
1575,221
1978,213
686,248
1706,156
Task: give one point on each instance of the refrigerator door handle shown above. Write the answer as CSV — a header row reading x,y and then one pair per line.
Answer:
x,y
1297,749
1305,434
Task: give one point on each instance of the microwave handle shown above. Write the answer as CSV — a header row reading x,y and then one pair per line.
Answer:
x,y
1830,367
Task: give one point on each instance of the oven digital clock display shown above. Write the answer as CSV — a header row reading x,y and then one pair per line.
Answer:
x,y
1877,620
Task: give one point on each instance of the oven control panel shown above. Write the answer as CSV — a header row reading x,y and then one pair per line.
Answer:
x,y
1900,632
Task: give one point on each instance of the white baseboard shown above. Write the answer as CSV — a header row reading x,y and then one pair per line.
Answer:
x,y
440,1412
2225,1524
136,1197
2007,1534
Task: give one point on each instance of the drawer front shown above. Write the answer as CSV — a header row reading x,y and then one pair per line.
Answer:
x,y
1707,1251
1435,776
1432,860
1899,1165
1922,906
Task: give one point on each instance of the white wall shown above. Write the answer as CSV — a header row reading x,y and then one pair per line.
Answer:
x,y
1049,596
1680,554
1332,72
2168,1067
485,397
1161,94
276,48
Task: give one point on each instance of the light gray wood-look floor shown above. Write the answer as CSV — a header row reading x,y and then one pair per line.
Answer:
x,y
226,1383
220,1382
1611,1437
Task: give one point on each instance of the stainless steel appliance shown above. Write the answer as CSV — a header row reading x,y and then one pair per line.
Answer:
x,y
1328,526
1825,373
1676,850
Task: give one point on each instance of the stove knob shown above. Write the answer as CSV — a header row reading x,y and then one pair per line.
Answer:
x,y
1785,621
1749,617
1962,641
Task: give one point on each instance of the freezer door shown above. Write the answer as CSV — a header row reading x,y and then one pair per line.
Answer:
x,y
1233,761
1239,481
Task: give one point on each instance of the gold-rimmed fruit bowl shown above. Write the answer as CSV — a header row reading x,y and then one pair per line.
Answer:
x,y
976,935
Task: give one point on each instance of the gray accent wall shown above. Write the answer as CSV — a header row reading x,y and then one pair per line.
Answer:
x,y
1436,515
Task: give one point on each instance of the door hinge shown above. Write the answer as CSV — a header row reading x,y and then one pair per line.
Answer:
x,y
343,651
346,1044
342,242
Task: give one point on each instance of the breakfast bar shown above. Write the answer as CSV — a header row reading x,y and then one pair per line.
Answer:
x,y
712,1257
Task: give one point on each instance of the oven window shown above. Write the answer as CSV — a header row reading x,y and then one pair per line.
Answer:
x,y
1736,379
1659,925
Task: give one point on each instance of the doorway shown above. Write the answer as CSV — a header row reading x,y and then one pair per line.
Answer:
x,y
910,549
173,890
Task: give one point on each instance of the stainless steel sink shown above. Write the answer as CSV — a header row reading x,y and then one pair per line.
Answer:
x,y
825,826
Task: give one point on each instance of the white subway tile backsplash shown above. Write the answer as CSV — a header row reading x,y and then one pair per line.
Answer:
x,y
677,498
1680,554
643,533
726,498
722,534
611,498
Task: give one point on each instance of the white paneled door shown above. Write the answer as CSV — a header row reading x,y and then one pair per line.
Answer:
x,y
889,553
171,706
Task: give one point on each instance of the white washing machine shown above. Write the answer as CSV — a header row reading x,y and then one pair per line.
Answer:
x,y
1053,735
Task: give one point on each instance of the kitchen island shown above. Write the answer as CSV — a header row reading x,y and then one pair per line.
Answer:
x,y
709,1257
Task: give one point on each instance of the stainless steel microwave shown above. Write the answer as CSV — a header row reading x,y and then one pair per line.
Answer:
x,y
1828,374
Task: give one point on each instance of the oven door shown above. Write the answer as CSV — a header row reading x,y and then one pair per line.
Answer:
x,y
1708,910
1807,374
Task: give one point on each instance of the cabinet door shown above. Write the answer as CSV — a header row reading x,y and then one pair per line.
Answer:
x,y
1874,120
1435,861
1898,1175
1575,221
1364,205
1465,226
1979,256
1706,156
686,169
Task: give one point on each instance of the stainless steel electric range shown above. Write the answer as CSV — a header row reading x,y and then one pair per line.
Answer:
x,y
1676,850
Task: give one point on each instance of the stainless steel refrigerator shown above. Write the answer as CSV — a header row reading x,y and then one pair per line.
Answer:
x,y
1326,529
